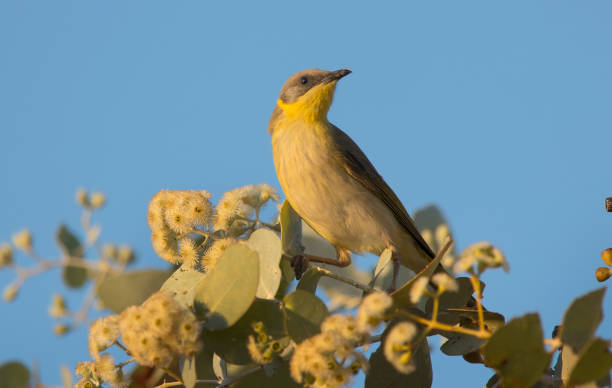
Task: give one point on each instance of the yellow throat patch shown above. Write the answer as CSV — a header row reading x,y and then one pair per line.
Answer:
x,y
312,106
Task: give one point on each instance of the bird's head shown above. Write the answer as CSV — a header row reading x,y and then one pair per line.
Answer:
x,y
308,94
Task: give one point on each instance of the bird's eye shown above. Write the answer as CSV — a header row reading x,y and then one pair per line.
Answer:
x,y
304,80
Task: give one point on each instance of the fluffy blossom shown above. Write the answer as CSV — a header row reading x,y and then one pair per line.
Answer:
x,y
482,254
398,348
419,289
371,311
159,329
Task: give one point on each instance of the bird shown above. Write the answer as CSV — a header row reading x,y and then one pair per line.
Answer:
x,y
332,185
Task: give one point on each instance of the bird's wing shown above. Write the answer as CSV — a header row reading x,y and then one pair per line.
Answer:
x,y
361,169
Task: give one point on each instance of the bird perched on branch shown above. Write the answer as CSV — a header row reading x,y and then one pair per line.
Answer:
x,y
332,185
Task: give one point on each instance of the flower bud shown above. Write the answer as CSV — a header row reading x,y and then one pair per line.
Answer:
x,y
125,254
23,240
10,293
6,255
60,329
110,251
602,274
606,256
97,200
82,198
58,308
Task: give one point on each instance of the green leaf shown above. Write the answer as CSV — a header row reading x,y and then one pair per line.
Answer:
x,y
582,319
267,244
74,277
457,299
188,371
517,352
304,313
384,264
310,280
459,344
594,362
230,343
229,288
14,375
401,296
430,218
182,283
383,375
204,365
68,242
259,379
492,320
120,291
291,230
383,273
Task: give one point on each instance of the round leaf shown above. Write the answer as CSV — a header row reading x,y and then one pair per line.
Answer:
x,y
120,291
582,318
14,375
383,375
74,277
68,242
182,283
291,230
594,362
228,290
230,343
517,352
279,378
310,280
267,244
304,313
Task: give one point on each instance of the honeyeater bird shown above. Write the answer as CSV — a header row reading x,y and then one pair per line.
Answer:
x,y
331,184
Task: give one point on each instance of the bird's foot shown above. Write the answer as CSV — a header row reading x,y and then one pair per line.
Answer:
x,y
300,265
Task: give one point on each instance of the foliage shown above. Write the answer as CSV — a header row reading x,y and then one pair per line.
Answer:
x,y
231,312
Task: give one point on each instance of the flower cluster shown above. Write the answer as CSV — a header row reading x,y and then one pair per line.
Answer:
x,y
172,216
330,359
480,256
261,347
153,333
158,330
103,369
398,346
237,206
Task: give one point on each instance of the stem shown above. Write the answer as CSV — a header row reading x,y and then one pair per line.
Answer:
x,y
231,380
333,275
442,326
169,384
476,286
436,306
173,375
126,350
124,363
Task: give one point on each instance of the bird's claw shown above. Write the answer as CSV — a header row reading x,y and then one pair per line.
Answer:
x,y
299,263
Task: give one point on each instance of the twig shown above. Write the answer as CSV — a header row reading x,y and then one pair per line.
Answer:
x,y
333,275
443,326
476,285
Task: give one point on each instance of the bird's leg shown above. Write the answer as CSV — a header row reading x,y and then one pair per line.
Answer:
x,y
396,265
300,262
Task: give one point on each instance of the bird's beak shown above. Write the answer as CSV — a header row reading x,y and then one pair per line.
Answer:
x,y
336,75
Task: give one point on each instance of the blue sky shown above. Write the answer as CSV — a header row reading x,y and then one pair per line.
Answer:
x,y
497,112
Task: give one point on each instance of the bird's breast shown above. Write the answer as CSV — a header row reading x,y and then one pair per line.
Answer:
x,y
324,195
